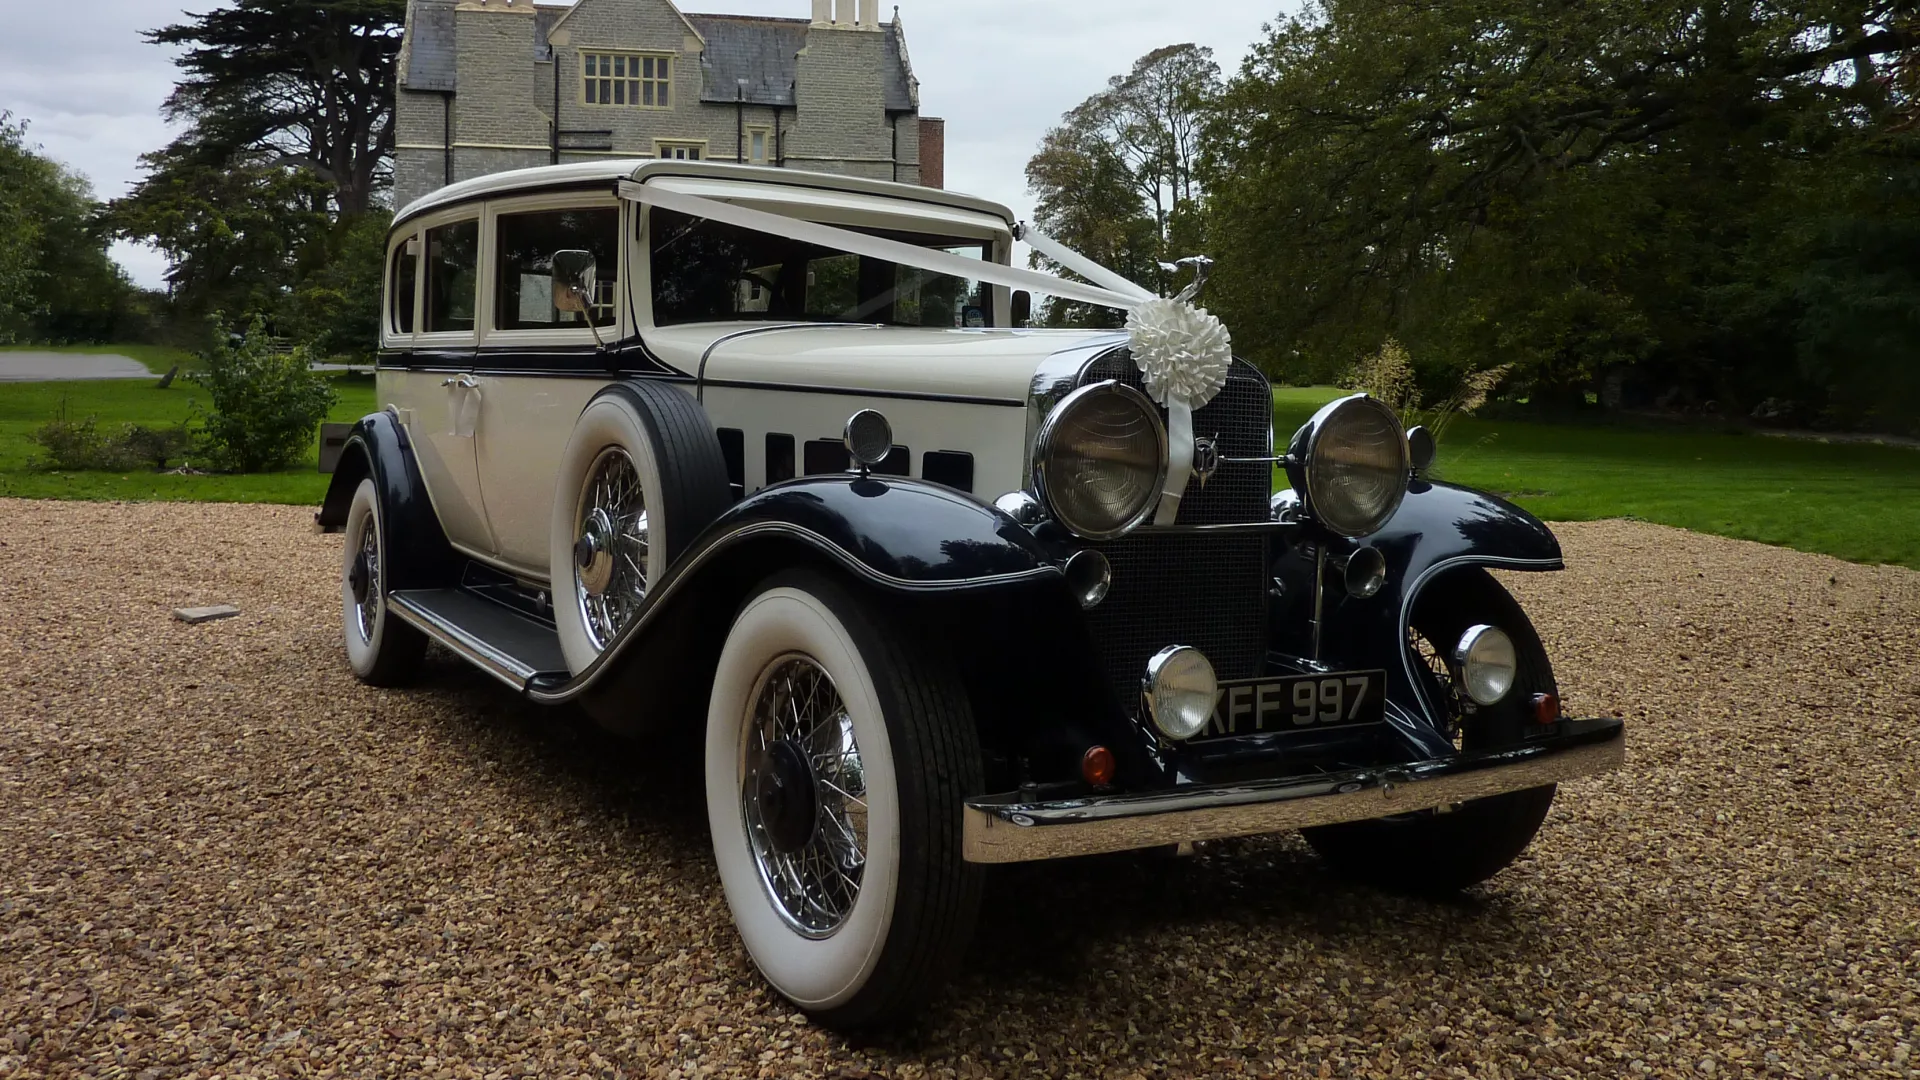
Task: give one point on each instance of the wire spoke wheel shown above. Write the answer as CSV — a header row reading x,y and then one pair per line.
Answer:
x,y
611,547
367,599
803,796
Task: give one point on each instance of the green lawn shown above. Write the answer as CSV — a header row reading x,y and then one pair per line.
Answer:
x,y
1860,502
158,358
26,406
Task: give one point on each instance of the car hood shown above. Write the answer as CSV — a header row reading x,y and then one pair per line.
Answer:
x,y
999,365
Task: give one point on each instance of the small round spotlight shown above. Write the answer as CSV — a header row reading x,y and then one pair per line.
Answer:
x,y
1090,576
1421,449
1180,691
1366,573
869,438
1487,663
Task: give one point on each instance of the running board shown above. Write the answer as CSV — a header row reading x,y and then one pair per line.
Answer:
x,y
496,639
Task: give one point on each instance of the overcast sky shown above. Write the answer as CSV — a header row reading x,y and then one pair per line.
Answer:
x,y
1000,71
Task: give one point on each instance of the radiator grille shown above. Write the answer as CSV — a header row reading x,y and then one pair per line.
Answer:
x,y
1206,590
1241,418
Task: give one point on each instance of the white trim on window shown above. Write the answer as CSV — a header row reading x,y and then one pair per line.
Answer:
x,y
626,80
490,229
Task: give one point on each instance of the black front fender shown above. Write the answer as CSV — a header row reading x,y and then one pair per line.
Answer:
x,y
418,555
1439,529
907,538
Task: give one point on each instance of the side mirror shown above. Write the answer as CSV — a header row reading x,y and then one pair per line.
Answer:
x,y
1022,309
574,276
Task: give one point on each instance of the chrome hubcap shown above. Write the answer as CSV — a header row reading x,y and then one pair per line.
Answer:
x,y
610,547
803,796
363,579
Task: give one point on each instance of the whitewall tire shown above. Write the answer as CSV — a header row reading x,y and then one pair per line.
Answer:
x,y
382,650
641,476
837,755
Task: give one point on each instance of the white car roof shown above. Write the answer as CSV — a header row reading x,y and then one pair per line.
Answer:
x,y
588,174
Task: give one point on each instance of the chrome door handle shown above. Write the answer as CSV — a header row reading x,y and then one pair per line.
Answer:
x,y
465,382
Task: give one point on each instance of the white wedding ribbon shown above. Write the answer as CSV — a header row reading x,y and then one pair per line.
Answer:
x,y
1109,289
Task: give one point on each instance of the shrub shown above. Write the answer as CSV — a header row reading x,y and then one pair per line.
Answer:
x,y
266,404
1390,376
79,445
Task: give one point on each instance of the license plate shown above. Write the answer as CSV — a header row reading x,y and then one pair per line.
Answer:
x,y
1336,699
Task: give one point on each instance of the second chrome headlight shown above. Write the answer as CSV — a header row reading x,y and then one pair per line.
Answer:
x,y
1351,462
1101,460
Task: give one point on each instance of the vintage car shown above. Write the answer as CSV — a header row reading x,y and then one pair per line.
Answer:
x,y
687,444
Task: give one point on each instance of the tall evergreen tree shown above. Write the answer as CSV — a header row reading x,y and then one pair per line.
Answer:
x,y
311,81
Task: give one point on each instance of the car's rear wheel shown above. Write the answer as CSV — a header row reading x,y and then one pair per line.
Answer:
x,y
382,650
838,752
1447,850
641,476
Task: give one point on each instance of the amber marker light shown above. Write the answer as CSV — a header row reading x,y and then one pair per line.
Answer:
x,y
1096,765
1546,709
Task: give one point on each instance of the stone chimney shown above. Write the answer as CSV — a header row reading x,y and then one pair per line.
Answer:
x,y
869,14
843,16
823,12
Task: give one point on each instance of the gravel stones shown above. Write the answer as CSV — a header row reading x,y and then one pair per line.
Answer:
x,y
219,855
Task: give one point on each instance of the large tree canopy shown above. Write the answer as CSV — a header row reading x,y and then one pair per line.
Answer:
x,y
310,80
1714,199
1117,179
57,282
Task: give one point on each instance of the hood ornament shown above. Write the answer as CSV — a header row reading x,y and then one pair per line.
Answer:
x,y
1206,459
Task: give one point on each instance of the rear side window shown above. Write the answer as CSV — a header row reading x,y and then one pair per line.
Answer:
x,y
453,260
527,243
406,260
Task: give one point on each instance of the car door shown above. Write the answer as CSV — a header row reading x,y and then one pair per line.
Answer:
x,y
538,367
436,390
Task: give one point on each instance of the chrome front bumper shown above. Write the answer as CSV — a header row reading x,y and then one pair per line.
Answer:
x,y
1003,829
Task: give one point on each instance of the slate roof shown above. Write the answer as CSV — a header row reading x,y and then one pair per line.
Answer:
x,y
762,51
430,47
765,52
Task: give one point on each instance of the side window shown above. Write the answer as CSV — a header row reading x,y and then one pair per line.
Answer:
x,y
527,242
405,283
453,260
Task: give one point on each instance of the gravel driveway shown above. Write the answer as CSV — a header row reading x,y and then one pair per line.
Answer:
x,y
221,856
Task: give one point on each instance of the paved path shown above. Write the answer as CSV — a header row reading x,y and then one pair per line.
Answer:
x,y
48,366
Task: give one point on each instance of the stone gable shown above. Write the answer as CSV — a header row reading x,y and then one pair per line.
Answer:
x,y
490,85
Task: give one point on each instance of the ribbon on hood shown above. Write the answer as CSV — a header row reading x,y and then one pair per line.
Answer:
x,y
1183,352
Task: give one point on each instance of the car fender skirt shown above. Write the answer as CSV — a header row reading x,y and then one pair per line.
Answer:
x,y
418,555
899,537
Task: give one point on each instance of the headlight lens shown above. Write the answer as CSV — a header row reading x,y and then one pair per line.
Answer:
x,y
1101,460
1351,463
1487,663
1180,691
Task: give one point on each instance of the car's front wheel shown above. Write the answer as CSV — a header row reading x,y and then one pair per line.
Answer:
x,y
382,650
838,751
1445,851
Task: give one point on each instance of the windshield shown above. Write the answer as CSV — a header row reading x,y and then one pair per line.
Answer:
x,y
708,271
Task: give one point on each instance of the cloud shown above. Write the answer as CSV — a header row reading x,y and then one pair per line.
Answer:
x,y
1000,71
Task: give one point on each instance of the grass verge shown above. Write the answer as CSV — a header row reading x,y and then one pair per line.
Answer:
x,y
24,407
1859,502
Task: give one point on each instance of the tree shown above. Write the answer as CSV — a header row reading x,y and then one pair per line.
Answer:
x,y
57,281
1117,179
311,82
235,233
1580,190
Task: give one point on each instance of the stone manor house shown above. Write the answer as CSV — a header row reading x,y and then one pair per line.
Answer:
x,y
491,85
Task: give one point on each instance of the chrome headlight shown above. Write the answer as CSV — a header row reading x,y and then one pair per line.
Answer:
x,y
1350,465
1101,460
